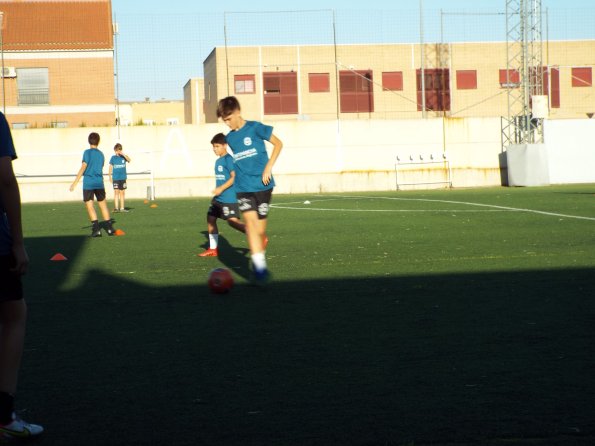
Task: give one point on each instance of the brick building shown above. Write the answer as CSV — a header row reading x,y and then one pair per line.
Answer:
x,y
58,59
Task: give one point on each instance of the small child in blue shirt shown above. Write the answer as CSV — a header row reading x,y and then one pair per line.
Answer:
x,y
118,177
224,204
92,172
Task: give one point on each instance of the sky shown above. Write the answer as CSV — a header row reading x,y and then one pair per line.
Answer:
x,y
161,44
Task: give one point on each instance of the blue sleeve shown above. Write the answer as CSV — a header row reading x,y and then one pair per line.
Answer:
x,y
263,131
6,143
229,163
86,156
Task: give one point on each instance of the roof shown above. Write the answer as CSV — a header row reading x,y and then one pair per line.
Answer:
x,y
45,25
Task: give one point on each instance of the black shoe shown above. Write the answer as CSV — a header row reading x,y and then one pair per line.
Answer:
x,y
96,233
109,229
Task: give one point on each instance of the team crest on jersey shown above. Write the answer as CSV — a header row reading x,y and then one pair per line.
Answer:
x,y
220,168
247,141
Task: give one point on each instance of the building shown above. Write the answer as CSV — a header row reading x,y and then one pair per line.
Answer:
x,y
193,101
161,112
315,82
58,63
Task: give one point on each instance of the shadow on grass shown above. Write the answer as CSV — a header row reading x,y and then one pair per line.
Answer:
x,y
466,358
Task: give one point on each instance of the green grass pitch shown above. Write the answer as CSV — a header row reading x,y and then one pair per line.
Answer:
x,y
459,317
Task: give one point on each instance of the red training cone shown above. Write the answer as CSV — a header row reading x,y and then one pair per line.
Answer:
x,y
119,232
58,258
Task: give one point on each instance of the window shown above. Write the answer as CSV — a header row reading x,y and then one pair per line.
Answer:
x,y
357,91
319,82
581,77
33,86
244,84
555,87
437,87
172,121
59,124
20,125
466,79
392,81
280,93
509,78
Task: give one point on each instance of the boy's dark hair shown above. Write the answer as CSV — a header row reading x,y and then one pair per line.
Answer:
x,y
219,138
118,146
94,139
227,106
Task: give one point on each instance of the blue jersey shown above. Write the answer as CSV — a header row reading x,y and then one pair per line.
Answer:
x,y
93,175
118,167
250,155
223,169
6,149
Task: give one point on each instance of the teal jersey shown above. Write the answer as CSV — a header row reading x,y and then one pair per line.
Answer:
x,y
93,175
250,155
118,168
6,149
224,166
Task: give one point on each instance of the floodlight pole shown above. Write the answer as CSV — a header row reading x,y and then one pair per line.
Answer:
x,y
116,75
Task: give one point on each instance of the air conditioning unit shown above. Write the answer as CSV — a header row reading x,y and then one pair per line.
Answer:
x,y
9,72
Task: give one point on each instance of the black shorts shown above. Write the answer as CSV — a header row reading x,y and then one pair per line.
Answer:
x,y
11,287
223,210
256,201
120,185
89,193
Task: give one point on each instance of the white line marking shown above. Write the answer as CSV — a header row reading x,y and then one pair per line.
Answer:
x,y
467,203
387,210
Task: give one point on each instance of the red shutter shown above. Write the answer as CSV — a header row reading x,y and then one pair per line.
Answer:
x,y
581,77
466,79
319,82
555,88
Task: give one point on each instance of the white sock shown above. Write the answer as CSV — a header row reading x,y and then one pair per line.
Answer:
x,y
259,261
213,241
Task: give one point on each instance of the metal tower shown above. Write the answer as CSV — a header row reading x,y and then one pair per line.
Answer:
x,y
524,74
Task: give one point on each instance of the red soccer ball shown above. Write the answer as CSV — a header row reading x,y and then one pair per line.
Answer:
x,y
220,281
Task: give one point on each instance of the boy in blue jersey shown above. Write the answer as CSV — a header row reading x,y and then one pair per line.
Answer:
x,y
92,172
13,310
224,204
118,177
254,176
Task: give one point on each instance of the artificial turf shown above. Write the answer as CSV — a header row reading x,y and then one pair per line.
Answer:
x,y
393,318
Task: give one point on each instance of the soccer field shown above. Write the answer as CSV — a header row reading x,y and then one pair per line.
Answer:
x,y
397,318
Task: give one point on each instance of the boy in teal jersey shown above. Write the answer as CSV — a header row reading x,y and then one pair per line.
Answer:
x,y
254,176
92,172
13,310
225,203
118,177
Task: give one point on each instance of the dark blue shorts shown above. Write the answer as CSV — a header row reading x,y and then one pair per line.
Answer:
x,y
223,210
256,201
88,194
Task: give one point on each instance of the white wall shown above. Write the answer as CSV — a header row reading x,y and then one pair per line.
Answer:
x,y
318,156
571,150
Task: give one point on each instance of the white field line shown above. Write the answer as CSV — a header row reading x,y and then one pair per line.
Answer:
x,y
490,207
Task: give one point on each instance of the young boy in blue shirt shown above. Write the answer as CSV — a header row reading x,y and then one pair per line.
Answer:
x,y
254,176
13,310
118,177
92,172
225,203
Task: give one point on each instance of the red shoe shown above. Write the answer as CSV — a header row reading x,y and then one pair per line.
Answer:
x,y
209,253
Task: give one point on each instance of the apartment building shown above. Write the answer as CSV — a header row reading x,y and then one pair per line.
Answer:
x,y
58,63
385,81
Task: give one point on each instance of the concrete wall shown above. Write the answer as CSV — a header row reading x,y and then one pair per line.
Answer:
x,y
318,156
